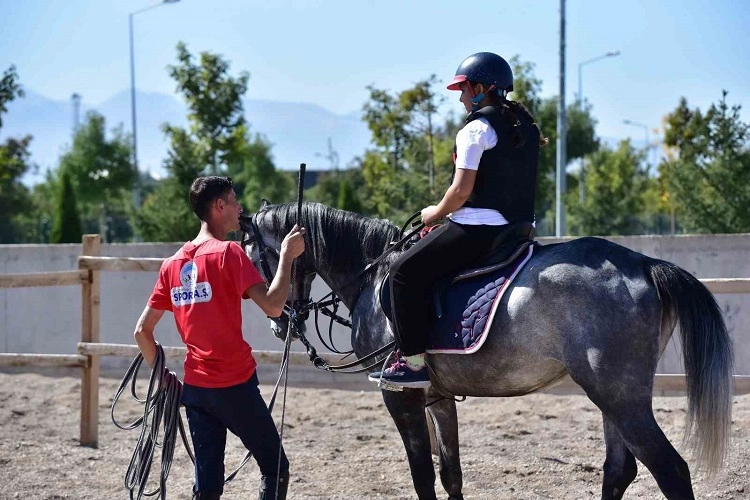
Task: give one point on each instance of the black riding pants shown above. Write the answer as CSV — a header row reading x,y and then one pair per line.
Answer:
x,y
444,251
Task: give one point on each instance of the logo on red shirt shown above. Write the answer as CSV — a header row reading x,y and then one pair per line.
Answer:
x,y
191,291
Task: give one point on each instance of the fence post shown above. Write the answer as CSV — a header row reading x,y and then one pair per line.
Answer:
x,y
90,299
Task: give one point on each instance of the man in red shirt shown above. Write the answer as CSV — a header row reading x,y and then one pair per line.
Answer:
x,y
203,285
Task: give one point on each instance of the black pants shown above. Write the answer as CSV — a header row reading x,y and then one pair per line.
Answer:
x,y
444,251
241,410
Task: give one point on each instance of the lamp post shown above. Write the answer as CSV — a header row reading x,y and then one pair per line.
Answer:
x,y
647,146
136,180
615,53
580,72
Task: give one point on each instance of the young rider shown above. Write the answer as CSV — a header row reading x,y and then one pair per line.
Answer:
x,y
494,183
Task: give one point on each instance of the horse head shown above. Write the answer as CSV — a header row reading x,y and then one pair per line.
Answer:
x,y
261,241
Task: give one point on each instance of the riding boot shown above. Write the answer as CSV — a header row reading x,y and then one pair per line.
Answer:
x,y
267,489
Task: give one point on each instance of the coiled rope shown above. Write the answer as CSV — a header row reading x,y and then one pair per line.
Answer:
x,y
161,415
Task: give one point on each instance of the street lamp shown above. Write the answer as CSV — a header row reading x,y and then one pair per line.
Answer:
x,y
580,105
580,72
136,181
647,146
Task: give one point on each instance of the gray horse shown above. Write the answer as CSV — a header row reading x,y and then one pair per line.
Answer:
x,y
589,308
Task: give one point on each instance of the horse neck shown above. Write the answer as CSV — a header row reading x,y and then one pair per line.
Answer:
x,y
340,266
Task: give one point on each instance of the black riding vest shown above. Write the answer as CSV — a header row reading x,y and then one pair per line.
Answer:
x,y
506,177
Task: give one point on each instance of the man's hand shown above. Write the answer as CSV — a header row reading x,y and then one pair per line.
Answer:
x,y
271,299
294,243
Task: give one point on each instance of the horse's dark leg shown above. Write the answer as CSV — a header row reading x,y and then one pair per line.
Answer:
x,y
634,418
445,420
407,410
619,467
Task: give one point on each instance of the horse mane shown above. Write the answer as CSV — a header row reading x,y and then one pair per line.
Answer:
x,y
347,238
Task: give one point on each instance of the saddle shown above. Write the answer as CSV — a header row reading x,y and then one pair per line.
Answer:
x,y
505,249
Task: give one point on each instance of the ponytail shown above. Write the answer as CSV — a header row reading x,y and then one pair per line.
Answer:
x,y
512,110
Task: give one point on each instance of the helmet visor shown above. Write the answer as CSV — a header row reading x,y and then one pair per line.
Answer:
x,y
457,81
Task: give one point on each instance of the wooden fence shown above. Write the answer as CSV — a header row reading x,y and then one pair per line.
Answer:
x,y
90,349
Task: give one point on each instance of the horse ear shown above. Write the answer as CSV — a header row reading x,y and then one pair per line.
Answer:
x,y
264,204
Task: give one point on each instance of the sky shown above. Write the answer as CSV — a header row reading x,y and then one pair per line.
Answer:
x,y
327,52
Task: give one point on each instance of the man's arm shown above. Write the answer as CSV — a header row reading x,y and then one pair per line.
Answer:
x,y
144,333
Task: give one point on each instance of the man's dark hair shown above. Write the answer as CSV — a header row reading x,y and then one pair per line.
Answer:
x,y
205,190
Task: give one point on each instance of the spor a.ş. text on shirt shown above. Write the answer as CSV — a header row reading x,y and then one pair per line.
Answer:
x,y
472,140
203,286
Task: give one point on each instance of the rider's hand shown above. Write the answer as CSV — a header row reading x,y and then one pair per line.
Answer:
x,y
294,242
430,214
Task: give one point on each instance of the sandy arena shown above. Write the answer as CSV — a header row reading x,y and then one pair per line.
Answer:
x,y
343,445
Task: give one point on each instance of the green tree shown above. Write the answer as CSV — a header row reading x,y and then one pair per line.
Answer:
x,y
102,175
99,168
14,196
581,138
166,214
214,101
254,175
217,141
10,89
709,177
348,199
66,226
14,163
404,172
421,102
344,189
614,189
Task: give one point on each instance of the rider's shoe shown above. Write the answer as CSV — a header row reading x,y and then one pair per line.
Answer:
x,y
400,374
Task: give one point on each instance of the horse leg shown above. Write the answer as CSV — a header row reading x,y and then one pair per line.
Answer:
x,y
407,408
634,419
619,467
445,422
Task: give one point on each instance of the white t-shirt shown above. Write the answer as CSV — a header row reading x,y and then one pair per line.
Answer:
x,y
471,141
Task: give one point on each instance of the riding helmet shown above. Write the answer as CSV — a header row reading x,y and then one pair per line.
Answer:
x,y
485,68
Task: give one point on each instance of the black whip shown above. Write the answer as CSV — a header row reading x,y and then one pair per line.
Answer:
x,y
292,321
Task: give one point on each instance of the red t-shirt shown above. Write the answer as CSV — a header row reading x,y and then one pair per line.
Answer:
x,y
203,286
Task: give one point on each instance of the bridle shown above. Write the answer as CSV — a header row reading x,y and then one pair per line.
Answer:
x,y
298,310
248,224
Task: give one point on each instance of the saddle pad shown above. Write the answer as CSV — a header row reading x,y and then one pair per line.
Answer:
x,y
469,307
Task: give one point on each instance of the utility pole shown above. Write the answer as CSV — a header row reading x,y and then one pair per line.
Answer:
x,y
561,135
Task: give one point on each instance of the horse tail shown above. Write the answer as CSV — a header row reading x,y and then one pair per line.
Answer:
x,y
708,359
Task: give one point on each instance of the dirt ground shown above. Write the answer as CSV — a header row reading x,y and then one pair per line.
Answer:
x,y
343,445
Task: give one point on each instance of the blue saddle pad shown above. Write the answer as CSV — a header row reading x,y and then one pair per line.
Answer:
x,y
468,307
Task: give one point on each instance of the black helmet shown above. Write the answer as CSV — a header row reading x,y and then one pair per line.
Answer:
x,y
486,68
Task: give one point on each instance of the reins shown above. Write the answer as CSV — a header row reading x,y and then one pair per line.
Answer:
x,y
249,226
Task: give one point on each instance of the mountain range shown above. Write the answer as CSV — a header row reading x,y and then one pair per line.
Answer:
x,y
299,132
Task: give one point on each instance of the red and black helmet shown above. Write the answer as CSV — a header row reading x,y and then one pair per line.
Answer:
x,y
486,68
